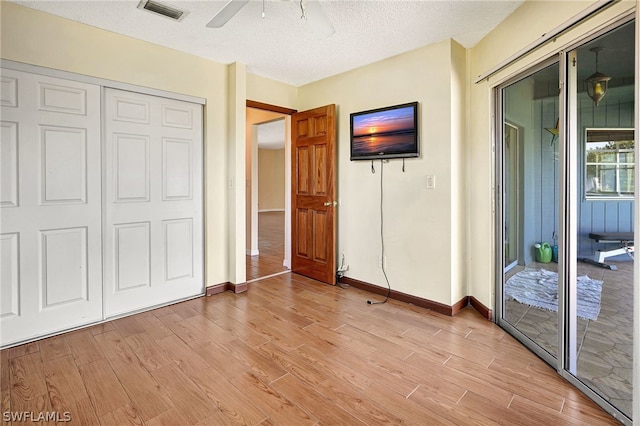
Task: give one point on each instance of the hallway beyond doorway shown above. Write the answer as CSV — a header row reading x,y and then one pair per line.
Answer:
x,y
270,246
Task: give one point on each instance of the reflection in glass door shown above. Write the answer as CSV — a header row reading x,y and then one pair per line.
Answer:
x,y
530,206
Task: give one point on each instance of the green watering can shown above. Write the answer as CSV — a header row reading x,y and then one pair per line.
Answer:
x,y
543,253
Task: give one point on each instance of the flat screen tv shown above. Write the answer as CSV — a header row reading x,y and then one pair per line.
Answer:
x,y
390,132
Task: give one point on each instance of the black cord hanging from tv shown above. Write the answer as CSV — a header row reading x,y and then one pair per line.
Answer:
x,y
382,262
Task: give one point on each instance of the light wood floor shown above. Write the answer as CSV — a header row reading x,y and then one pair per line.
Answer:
x,y
291,351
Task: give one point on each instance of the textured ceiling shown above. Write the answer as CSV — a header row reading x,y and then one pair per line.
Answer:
x,y
282,46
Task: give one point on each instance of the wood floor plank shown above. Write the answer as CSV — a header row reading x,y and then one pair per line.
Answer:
x,y
53,347
405,408
339,341
126,415
213,331
28,384
168,418
295,364
285,314
184,310
377,373
232,402
64,383
21,350
584,412
147,351
83,413
186,397
351,399
270,401
101,328
104,389
5,403
5,372
219,358
507,382
454,344
443,372
83,347
182,355
429,398
127,326
153,326
303,395
498,414
333,367
377,343
181,328
259,362
291,351
242,332
147,395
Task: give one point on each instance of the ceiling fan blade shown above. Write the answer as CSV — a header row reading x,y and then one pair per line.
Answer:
x,y
318,19
226,13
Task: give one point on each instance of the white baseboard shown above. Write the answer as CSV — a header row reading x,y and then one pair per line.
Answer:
x,y
254,252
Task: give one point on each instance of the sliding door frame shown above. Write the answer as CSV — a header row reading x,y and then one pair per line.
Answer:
x,y
565,364
499,204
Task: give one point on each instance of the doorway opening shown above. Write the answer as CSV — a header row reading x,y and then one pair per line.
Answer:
x,y
268,187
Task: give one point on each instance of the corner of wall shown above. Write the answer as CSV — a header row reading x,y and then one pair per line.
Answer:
x,y
459,108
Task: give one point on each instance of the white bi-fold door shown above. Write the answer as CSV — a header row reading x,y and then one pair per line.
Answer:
x,y
153,247
50,205
100,203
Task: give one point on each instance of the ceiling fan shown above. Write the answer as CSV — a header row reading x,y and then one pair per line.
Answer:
x,y
312,11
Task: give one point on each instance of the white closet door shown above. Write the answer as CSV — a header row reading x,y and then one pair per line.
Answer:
x,y
153,201
50,205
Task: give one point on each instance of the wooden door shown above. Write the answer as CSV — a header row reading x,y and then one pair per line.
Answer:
x,y
153,247
50,205
313,194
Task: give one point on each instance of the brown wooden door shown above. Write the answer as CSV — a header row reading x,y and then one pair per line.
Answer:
x,y
313,194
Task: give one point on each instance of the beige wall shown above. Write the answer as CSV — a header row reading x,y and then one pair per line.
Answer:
x,y
271,92
439,242
271,179
422,229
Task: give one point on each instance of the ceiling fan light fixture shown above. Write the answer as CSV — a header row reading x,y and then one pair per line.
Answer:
x,y
597,83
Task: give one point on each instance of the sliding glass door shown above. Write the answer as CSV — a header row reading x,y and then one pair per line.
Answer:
x,y
600,340
565,213
529,108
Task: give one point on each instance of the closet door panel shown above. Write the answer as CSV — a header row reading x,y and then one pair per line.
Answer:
x,y
153,201
50,205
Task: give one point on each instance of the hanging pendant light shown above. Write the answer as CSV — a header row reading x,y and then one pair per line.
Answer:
x,y
597,82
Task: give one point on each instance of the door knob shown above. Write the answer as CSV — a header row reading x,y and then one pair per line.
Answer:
x,y
330,203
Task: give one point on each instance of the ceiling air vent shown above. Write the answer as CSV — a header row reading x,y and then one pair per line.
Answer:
x,y
163,9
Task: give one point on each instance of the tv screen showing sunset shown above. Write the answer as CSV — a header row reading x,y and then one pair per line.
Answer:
x,y
384,132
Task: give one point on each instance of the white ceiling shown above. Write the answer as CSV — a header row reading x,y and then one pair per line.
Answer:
x,y
282,46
